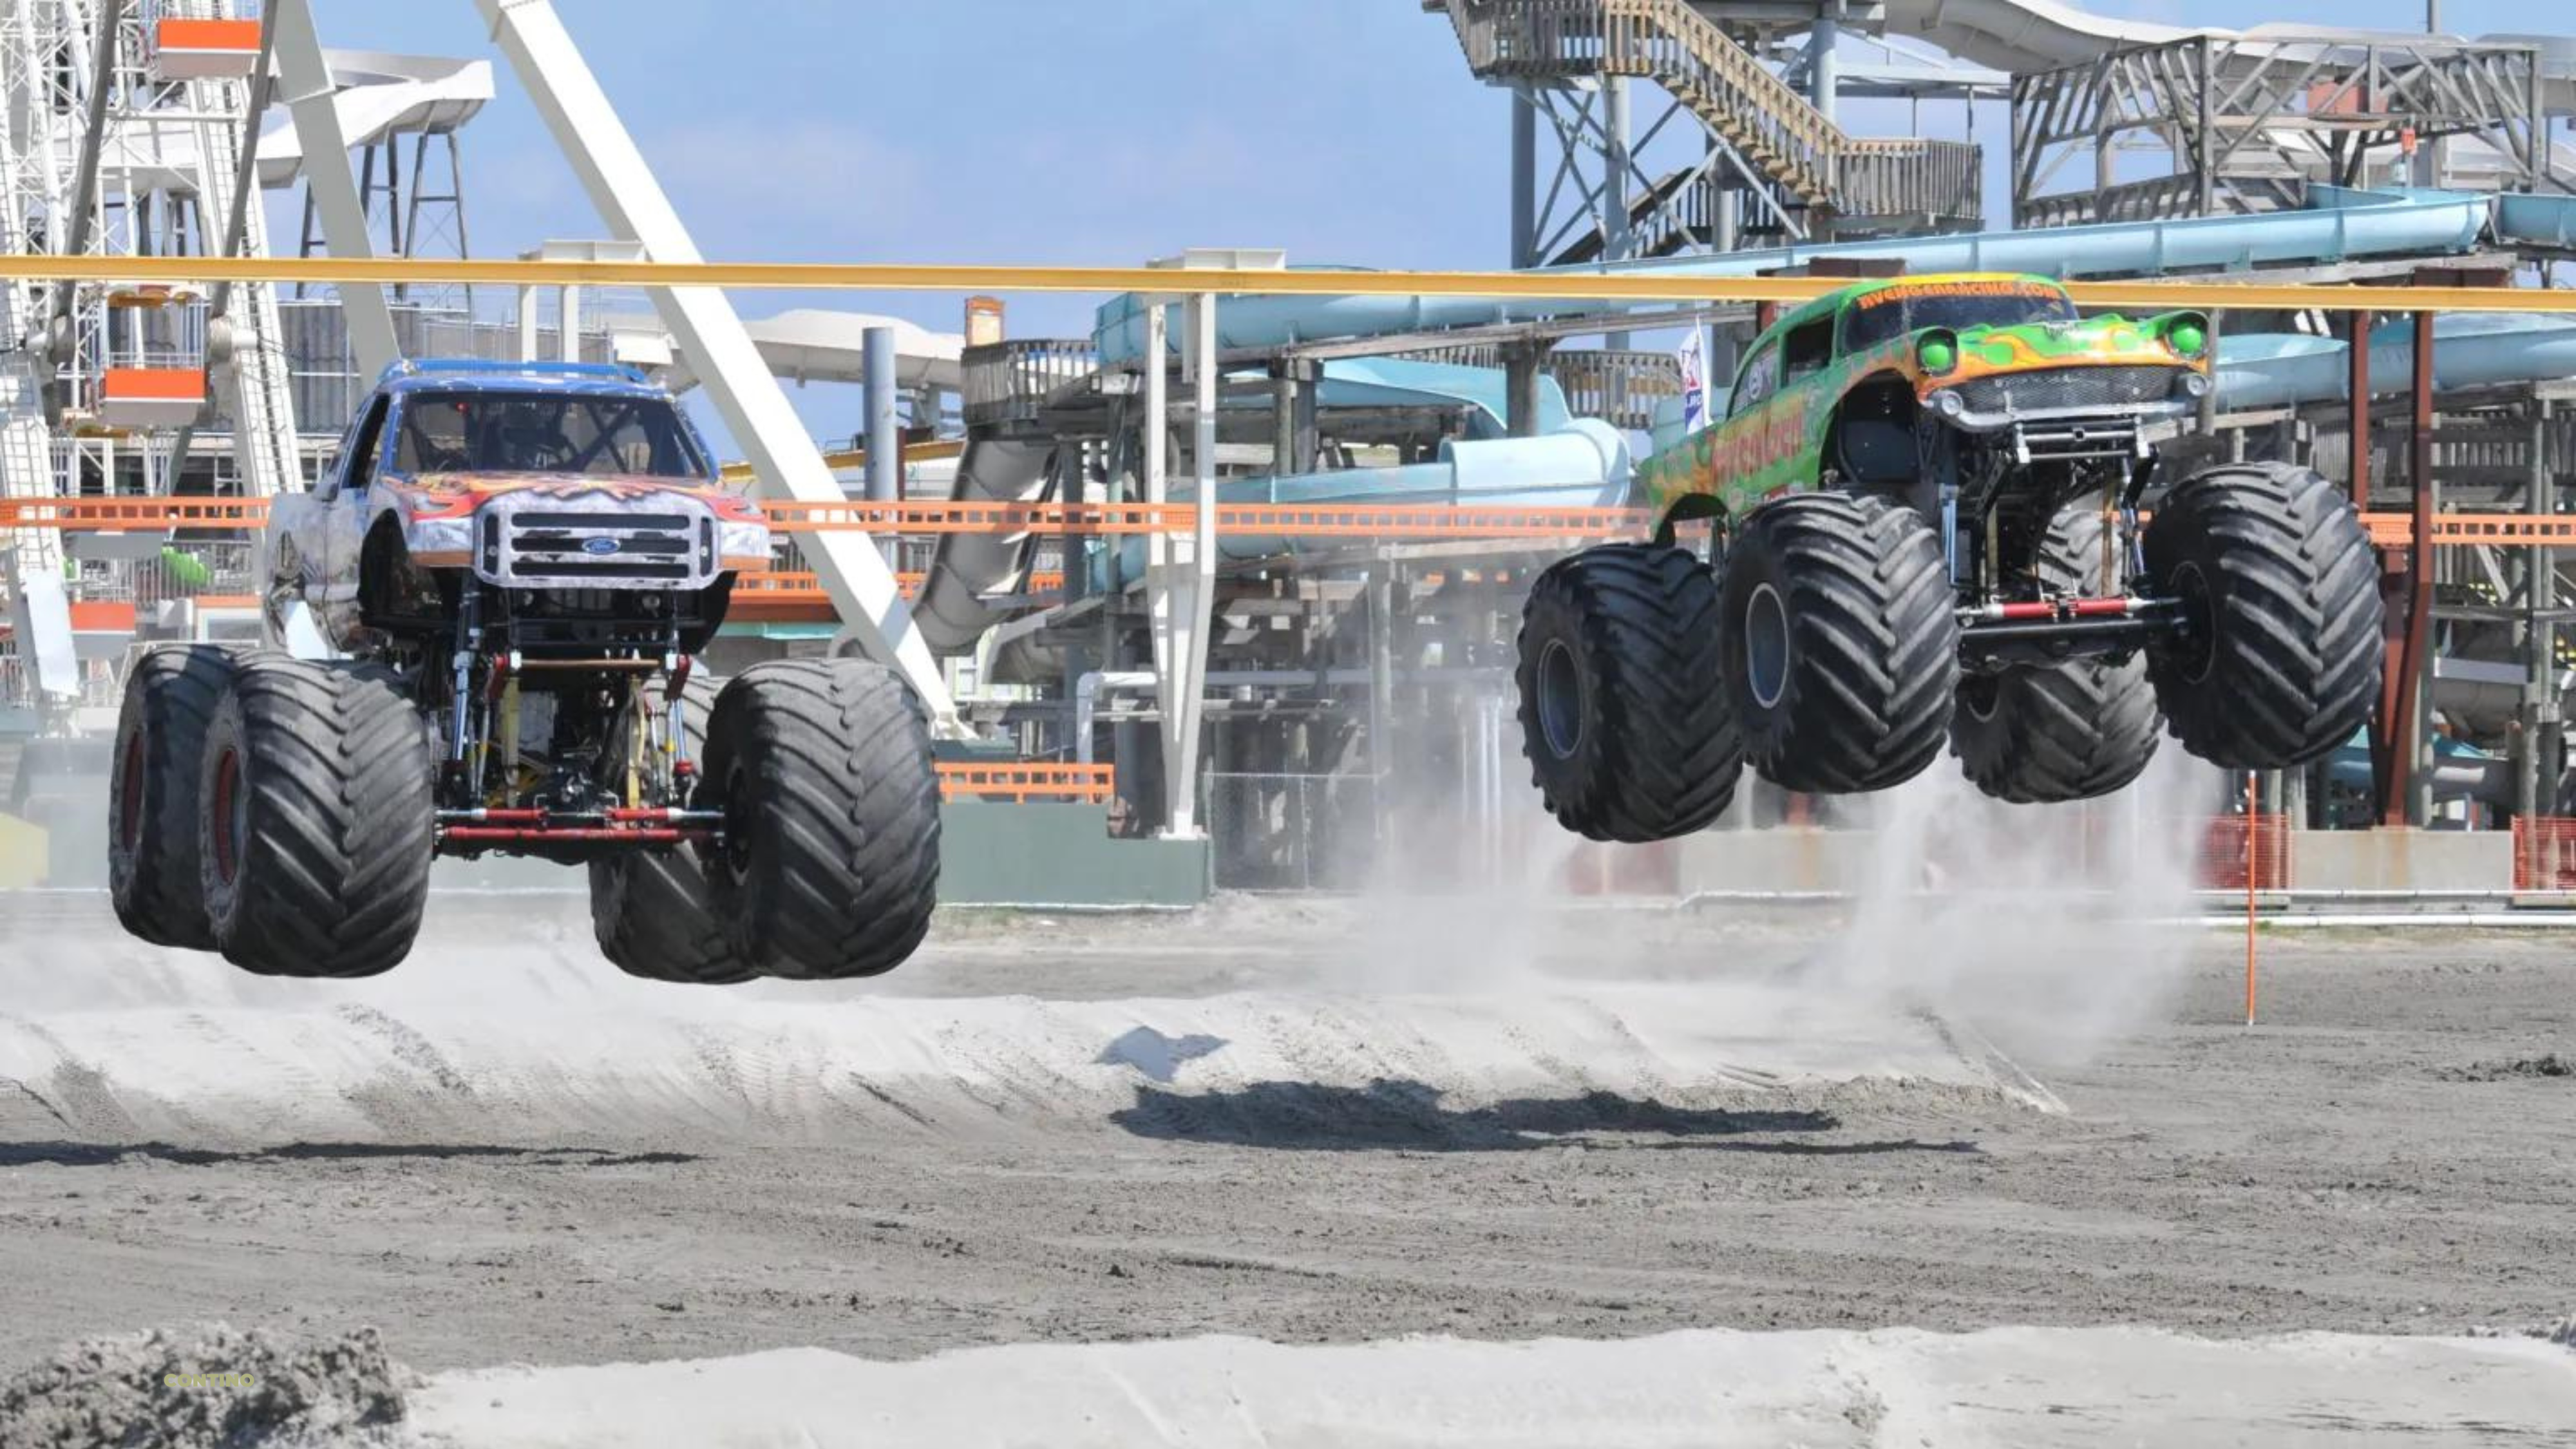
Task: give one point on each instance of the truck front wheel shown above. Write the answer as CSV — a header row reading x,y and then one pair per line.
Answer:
x,y
1626,731
829,865
2276,661
1841,642
315,819
152,872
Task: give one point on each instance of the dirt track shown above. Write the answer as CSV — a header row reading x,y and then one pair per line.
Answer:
x,y
2386,1154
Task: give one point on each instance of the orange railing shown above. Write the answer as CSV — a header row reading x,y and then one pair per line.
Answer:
x,y
2544,853
2224,854
934,516
1326,520
1022,781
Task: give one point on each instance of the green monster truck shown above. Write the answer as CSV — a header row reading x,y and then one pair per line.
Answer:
x,y
1938,516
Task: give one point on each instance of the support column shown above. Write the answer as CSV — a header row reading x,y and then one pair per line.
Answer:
x,y
1524,180
885,440
1190,586
568,325
2410,621
1617,245
2536,790
1521,387
528,348
1824,73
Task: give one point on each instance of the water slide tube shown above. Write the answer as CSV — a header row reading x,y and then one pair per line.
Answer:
x,y
2338,224
378,95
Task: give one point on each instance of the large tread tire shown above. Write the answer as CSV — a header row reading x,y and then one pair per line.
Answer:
x,y
2073,730
152,873
1860,668
830,863
2279,663
317,819
1621,716
653,912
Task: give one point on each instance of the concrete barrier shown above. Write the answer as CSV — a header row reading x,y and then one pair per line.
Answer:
x,y
2402,860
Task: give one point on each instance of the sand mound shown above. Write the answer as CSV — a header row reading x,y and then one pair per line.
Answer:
x,y
220,1389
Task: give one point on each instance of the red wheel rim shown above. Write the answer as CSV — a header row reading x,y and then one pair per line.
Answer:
x,y
227,809
129,800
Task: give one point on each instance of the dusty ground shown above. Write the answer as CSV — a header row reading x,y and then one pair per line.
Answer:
x,y
2387,1153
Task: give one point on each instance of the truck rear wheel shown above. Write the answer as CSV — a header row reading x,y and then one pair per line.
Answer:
x,y
2277,660
2065,731
1621,716
1841,642
152,872
829,867
653,911
316,819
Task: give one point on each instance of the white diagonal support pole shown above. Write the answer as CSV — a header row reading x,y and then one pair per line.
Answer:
x,y
304,82
1191,583
784,460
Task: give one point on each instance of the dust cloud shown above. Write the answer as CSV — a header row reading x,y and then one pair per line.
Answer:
x,y
2053,929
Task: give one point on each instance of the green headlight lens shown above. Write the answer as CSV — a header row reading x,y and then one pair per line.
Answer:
x,y
1938,354
2187,338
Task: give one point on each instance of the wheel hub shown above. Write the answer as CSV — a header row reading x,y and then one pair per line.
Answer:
x,y
2195,643
1766,646
1560,699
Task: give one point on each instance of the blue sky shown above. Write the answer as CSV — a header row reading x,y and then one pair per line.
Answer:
x,y
1346,131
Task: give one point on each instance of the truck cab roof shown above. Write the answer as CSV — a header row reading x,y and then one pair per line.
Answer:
x,y
586,379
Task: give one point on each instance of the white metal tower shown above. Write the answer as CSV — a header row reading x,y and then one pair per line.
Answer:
x,y
125,134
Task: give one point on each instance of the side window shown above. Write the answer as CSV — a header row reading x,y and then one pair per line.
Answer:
x,y
360,468
1760,379
358,452
1806,350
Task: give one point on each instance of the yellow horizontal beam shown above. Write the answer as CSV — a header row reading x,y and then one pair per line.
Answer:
x,y
935,448
879,277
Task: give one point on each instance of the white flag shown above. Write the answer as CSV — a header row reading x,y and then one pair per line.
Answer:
x,y
1694,362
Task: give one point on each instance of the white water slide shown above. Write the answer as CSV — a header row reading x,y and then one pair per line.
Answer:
x,y
378,96
2021,36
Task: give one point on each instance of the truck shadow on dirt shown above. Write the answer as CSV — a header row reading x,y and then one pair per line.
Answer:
x,y
1394,1114
109,1154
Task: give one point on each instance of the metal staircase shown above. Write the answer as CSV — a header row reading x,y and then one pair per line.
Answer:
x,y
1777,133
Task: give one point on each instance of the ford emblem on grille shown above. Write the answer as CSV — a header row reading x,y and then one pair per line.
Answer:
x,y
599,546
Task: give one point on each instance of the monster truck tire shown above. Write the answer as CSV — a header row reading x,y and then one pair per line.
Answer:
x,y
1840,641
2066,731
316,819
1625,728
653,912
2278,660
829,866
152,872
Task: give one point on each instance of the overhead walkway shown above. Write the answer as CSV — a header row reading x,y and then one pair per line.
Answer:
x,y
1779,134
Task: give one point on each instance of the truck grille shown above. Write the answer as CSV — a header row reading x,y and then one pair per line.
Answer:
x,y
2069,387
531,546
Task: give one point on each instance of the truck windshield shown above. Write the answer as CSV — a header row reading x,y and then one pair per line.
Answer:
x,y
511,432
1892,312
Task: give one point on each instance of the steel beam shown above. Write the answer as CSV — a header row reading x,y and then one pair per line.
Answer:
x,y
304,81
785,460
1599,290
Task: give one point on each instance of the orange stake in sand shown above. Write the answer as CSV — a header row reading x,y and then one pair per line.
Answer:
x,y
2251,800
